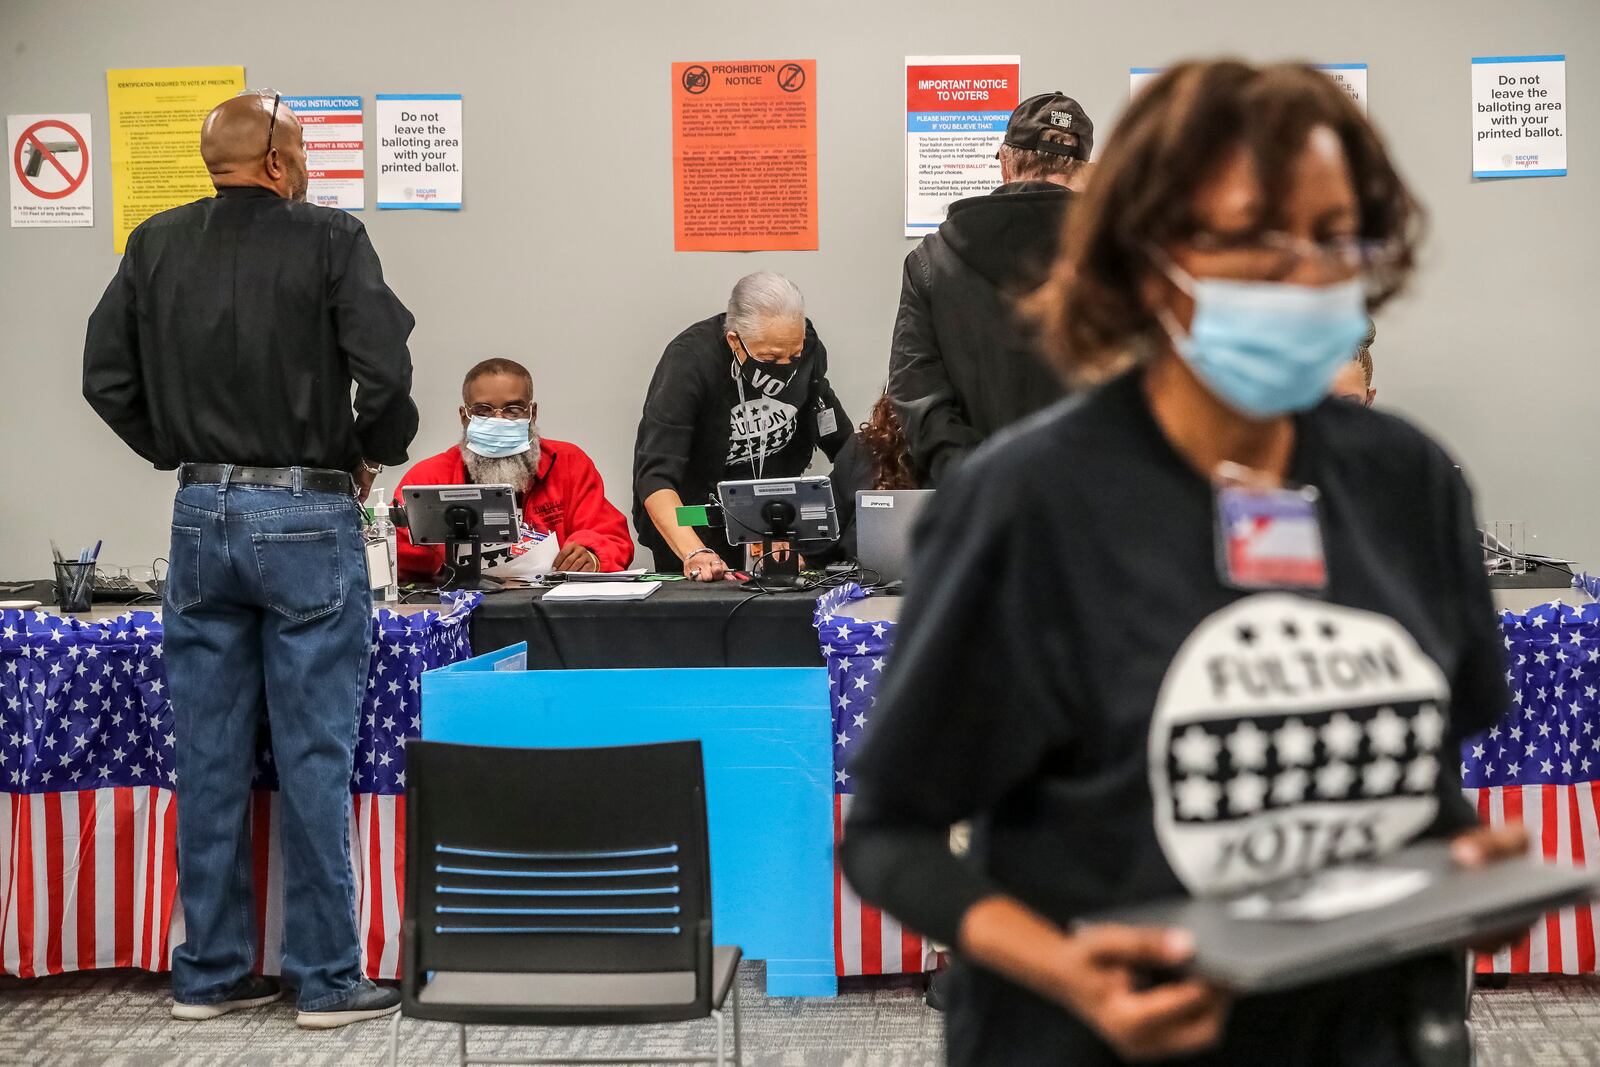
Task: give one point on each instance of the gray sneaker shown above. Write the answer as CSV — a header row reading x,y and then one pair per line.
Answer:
x,y
365,1001
251,992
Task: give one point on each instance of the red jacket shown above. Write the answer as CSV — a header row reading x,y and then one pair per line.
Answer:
x,y
567,499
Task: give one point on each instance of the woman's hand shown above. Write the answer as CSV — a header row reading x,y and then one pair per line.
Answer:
x,y
1479,847
1103,975
1104,979
704,566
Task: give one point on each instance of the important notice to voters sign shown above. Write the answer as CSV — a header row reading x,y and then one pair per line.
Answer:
x,y
1351,77
744,155
335,149
1519,116
419,150
52,170
956,112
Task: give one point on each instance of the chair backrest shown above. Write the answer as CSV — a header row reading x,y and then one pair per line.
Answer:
x,y
570,860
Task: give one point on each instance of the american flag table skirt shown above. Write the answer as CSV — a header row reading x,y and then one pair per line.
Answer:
x,y
865,940
88,857
1539,767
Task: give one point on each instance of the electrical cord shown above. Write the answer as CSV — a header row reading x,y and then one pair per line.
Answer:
x,y
727,624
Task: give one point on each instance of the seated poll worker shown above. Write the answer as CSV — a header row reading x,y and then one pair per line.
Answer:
x,y
743,394
557,484
1354,380
1127,714
877,457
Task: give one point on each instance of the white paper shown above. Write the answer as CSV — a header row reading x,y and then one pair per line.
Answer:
x,y
956,113
1519,116
335,150
1351,77
419,150
60,153
602,590
1332,894
528,560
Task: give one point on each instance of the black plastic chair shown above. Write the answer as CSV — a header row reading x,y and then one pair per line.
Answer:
x,y
560,887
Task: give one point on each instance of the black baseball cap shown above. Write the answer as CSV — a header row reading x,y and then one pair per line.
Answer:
x,y
1051,122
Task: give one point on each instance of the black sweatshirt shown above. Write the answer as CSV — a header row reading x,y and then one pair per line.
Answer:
x,y
1082,685
962,366
232,333
698,429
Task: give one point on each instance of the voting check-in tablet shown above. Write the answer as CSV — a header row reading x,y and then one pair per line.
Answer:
x,y
1359,916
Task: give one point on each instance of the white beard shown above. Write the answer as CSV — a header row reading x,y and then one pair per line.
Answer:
x,y
515,471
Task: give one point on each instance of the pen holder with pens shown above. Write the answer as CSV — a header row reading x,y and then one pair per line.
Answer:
x,y
74,586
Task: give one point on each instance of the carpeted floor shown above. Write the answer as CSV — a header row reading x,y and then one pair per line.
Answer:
x,y
120,1018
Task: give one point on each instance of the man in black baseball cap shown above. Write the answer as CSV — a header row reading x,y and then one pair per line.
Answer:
x,y
1051,123
962,365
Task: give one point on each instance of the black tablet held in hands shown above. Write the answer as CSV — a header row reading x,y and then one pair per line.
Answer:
x,y
1359,916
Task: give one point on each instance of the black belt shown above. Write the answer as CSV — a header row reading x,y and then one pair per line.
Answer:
x,y
312,478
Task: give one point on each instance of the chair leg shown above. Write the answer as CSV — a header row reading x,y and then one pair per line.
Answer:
x,y
461,1044
738,1052
394,1040
722,1056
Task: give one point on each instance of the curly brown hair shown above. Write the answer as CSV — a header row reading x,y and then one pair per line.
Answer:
x,y
886,446
1168,144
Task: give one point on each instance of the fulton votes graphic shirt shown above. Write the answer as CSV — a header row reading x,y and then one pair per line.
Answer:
x,y
704,423
1122,726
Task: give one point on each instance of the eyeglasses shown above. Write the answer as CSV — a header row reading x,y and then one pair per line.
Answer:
x,y
1272,255
276,97
509,411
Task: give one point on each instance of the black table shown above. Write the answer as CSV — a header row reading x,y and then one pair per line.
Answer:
x,y
1536,578
683,624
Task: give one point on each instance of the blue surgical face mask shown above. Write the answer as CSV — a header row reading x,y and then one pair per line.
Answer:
x,y
1268,348
496,438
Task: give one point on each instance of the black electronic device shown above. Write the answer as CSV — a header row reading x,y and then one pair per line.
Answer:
x,y
766,511
457,517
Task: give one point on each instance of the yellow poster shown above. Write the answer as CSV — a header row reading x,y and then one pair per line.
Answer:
x,y
155,138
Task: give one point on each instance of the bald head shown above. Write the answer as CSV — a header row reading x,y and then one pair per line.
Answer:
x,y
233,143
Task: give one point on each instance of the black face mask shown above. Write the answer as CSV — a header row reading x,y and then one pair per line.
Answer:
x,y
762,379
767,414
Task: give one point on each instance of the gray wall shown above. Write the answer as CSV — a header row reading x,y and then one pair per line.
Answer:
x,y
563,256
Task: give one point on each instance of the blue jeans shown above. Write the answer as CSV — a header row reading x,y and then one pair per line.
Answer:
x,y
267,608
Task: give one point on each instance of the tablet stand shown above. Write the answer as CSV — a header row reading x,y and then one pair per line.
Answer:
x,y
779,573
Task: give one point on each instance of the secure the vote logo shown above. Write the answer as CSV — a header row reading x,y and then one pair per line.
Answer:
x,y
1289,735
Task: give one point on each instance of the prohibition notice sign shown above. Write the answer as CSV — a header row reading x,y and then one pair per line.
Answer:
x,y
51,170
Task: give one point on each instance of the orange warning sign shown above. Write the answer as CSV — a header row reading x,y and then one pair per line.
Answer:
x,y
744,155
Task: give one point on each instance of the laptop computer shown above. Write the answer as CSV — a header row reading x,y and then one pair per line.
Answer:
x,y
884,518
1358,916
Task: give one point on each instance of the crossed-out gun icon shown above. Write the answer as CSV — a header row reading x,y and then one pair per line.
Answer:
x,y
36,157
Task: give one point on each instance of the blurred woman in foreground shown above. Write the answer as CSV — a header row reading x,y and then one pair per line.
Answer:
x,y
1195,630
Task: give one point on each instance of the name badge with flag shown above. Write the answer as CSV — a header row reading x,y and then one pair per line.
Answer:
x,y
1270,538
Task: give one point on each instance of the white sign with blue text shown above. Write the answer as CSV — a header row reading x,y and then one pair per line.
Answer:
x,y
1519,116
419,150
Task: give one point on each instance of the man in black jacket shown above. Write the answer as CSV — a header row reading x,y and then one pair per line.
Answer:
x,y
226,348
961,367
